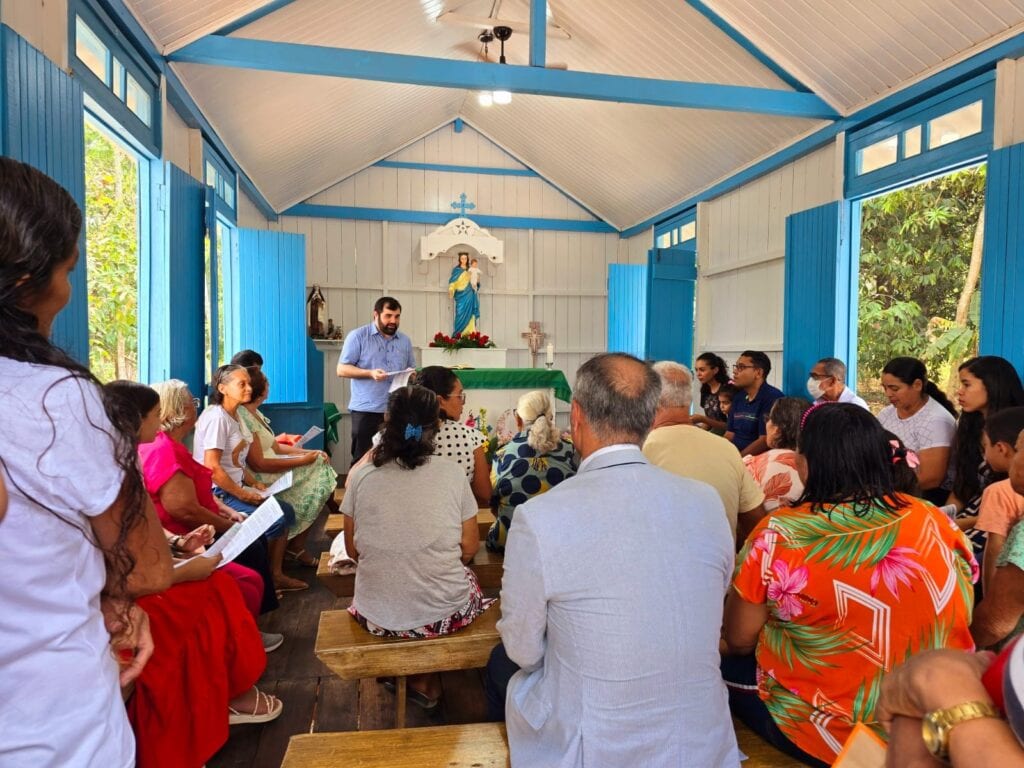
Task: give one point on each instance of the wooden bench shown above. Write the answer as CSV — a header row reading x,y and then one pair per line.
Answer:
x,y
481,745
484,520
488,567
352,653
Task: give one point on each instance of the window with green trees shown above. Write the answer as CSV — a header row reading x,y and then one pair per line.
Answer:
x,y
920,262
112,254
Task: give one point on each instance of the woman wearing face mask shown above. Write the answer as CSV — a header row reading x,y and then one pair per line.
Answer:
x,y
923,418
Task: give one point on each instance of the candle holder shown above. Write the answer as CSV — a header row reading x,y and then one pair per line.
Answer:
x,y
549,366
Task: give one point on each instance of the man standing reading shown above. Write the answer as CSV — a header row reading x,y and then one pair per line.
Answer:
x,y
369,354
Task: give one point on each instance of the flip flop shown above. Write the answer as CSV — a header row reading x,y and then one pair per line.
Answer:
x,y
294,585
301,557
273,707
417,698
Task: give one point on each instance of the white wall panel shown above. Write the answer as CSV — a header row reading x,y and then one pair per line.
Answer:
x,y
43,23
741,251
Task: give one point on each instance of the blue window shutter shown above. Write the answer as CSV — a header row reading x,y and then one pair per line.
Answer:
x,y
818,294
1002,266
43,124
268,283
672,278
627,308
171,289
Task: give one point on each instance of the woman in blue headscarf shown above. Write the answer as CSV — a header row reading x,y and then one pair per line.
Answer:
x,y
467,304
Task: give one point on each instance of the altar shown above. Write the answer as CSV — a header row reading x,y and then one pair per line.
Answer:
x,y
498,389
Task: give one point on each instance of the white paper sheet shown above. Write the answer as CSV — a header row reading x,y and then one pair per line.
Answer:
x,y
400,378
310,434
283,483
241,535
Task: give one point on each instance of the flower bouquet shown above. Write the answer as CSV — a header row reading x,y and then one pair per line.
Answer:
x,y
473,340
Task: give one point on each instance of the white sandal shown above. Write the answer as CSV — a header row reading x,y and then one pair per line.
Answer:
x,y
273,707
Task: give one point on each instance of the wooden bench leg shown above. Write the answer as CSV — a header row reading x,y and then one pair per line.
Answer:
x,y
400,684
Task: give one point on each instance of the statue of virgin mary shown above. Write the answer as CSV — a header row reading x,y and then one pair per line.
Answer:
x,y
467,302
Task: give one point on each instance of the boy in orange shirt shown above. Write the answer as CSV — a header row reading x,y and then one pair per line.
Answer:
x,y
1001,507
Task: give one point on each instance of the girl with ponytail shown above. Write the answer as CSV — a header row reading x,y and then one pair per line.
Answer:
x,y
534,461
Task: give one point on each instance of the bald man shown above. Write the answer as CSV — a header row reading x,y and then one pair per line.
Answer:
x,y
611,605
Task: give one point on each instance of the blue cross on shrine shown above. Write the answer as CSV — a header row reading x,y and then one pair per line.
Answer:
x,y
462,206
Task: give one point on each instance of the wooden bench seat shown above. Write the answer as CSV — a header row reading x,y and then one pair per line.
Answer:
x,y
484,520
488,567
352,653
336,523
480,745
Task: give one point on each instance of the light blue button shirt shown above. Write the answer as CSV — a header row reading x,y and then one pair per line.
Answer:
x,y
367,348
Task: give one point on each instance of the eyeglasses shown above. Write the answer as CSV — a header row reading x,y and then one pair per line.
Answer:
x,y
820,376
461,396
196,402
739,367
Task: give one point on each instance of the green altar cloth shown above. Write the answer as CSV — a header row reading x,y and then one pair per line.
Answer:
x,y
515,378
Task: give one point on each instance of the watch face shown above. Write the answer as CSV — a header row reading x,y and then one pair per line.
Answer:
x,y
932,735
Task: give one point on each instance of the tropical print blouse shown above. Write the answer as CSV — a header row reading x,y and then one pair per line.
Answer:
x,y
848,599
775,471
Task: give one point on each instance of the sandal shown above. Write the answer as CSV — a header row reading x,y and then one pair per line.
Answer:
x,y
302,557
419,699
287,584
272,708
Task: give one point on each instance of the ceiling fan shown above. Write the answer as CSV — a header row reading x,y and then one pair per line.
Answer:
x,y
502,33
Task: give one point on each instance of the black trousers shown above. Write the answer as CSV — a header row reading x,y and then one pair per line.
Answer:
x,y
364,426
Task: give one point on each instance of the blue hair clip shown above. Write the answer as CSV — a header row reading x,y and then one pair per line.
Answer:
x,y
413,432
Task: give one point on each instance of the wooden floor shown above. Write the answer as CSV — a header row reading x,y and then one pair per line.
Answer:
x,y
315,700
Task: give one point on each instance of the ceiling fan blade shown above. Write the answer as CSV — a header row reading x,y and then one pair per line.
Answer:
x,y
484,22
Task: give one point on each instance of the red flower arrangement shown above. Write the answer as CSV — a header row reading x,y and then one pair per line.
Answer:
x,y
474,340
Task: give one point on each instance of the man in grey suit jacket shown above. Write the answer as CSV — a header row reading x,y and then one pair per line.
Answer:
x,y
612,599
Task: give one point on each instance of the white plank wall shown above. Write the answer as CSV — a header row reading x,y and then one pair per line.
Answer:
x,y
741,248
557,278
43,23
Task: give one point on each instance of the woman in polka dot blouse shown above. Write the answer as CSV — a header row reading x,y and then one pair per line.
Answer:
x,y
537,459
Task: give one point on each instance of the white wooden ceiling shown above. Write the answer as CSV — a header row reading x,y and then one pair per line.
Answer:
x,y
296,135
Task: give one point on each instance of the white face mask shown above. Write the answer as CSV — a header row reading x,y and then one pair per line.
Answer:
x,y
814,388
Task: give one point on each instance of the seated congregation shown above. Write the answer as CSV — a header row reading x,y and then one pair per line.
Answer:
x,y
773,560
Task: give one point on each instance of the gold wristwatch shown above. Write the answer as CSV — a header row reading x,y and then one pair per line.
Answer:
x,y
937,724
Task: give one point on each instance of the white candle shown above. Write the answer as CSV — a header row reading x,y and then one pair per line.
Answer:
x,y
551,353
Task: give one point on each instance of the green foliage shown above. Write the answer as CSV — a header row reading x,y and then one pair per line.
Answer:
x,y
915,252
112,252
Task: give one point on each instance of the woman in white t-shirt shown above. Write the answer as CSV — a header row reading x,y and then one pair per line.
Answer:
x,y
463,445
80,538
221,444
924,419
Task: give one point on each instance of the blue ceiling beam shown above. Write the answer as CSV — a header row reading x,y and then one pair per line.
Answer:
x,y
744,42
538,32
470,75
252,16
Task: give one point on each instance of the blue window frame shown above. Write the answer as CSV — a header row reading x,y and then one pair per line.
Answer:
x,y
114,74
946,132
677,231
222,180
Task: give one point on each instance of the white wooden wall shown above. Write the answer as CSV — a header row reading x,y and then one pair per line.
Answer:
x,y
557,278
44,23
741,248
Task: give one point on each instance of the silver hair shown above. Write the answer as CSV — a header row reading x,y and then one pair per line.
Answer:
x,y
174,401
534,408
618,394
834,367
676,384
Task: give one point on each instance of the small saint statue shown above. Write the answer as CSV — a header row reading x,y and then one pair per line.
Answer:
x,y
316,302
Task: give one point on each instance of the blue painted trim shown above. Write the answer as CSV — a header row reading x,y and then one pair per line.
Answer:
x,y
256,15
434,217
484,171
744,42
457,124
676,221
985,60
179,98
538,33
422,70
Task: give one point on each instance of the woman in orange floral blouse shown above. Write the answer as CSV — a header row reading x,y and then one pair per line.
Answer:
x,y
833,593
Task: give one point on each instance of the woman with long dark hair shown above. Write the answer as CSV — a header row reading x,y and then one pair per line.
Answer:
x,y
712,373
834,592
410,522
80,540
988,384
922,417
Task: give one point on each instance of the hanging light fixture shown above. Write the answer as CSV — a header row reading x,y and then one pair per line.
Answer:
x,y
487,98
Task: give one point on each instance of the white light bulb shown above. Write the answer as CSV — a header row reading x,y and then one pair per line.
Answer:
x,y
485,98
502,97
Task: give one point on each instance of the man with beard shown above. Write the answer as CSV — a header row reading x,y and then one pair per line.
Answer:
x,y
369,354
